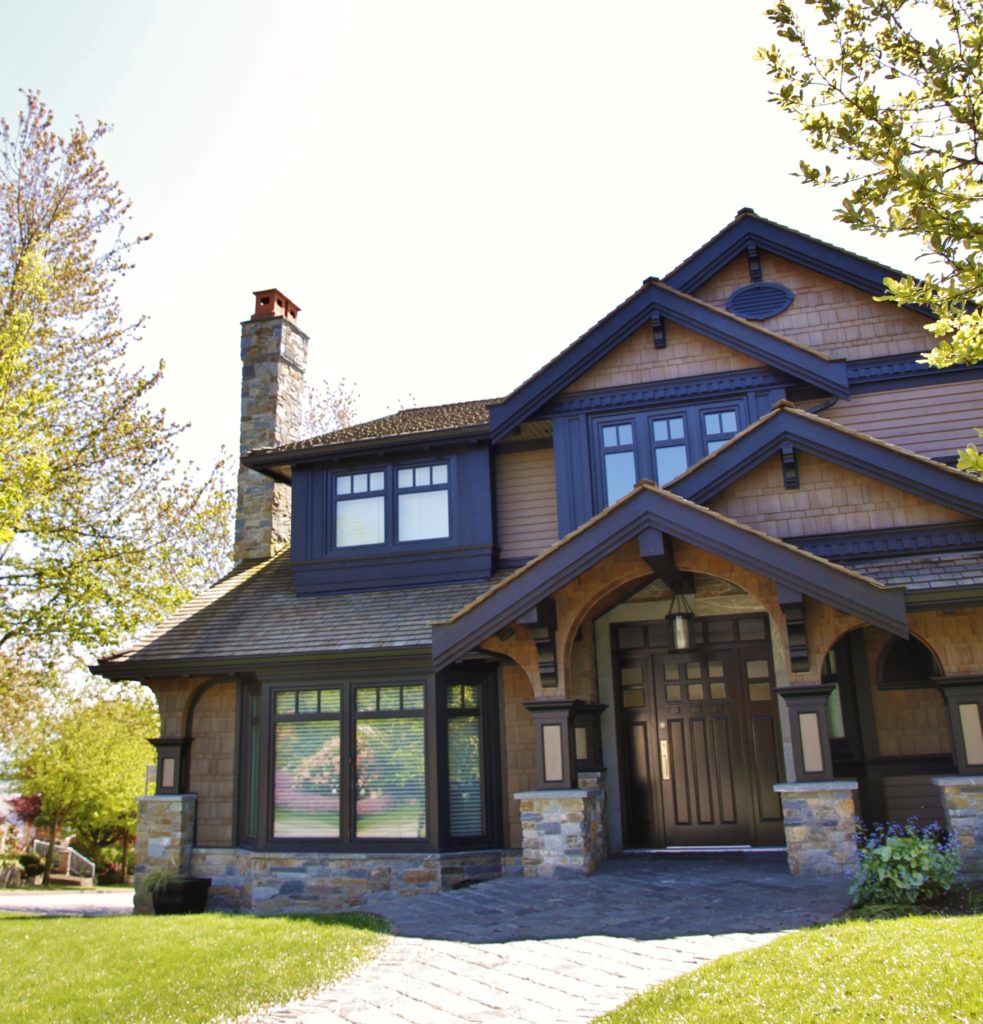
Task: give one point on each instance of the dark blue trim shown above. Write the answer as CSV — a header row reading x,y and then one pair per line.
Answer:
x,y
575,482
893,466
923,540
750,229
655,299
900,371
393,568
720,385
646,508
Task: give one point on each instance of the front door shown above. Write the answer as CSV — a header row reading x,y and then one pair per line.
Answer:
x,y
701,751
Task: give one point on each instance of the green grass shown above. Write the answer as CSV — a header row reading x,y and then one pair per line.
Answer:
x,y
181,969
911,969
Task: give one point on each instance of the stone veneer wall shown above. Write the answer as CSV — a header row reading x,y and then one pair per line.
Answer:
x,y
283,883
962,798
563,831
165,833
819,827
274,357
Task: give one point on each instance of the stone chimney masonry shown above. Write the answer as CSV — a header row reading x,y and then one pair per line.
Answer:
x,y
274,358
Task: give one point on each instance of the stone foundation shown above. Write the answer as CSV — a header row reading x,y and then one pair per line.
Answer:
x,y
300,883
563,831
962,798
819,827
165,833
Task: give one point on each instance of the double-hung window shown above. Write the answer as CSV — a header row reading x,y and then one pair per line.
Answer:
x,y
618,442
669,447
422,511
360,509
719,426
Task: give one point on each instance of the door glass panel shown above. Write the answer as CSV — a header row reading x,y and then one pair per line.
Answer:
x,y
759,691
694,691
751,629
718,691
757,669
631,675
720,631
715,670
694,670
631,636
674,693
671,672
633,697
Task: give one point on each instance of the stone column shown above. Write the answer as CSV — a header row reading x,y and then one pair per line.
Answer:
x,y
165,833
819,826
962,798
563,831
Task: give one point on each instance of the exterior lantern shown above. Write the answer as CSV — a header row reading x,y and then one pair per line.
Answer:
x,y
680,619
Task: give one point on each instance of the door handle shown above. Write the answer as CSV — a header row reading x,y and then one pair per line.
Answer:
x,y
664,758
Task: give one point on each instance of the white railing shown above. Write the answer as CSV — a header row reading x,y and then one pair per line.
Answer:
x,y
68,861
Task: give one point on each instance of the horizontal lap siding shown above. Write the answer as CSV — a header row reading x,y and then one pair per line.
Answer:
x,y
934,420
525,497
826,315
829,499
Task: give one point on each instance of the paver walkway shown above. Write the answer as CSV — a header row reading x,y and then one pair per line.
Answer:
x,y
550,952
67,902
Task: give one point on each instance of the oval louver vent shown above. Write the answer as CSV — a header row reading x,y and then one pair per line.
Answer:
x,y
760,300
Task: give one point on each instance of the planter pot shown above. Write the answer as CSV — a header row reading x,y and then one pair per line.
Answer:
x,y
182,896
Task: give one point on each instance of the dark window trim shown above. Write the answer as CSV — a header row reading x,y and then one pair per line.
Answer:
x,y
916,682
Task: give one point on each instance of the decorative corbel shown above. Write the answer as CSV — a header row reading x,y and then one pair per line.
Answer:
x,y
793,607
790,468
658,332
753,262
541,621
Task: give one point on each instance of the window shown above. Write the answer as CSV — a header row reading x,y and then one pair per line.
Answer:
x,y
719,427
360,509
466,803
365,514
619,460
390,764
669,446
422,504
906,665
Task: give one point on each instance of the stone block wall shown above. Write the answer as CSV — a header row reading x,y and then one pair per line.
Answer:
x,y
563,831
819,827
165,834
283,883
962,798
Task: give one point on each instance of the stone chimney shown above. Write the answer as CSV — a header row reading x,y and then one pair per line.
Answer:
x,y
274,357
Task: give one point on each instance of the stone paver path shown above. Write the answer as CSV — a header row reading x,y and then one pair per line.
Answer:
x,y
550,952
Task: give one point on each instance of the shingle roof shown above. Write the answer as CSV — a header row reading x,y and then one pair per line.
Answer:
x,y
254,613
944,571
425,420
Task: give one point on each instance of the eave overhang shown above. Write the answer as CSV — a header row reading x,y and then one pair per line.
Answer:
x,y
750,229
647,507
653,300
787,426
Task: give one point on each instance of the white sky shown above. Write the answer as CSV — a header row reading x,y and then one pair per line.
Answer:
x,y
450,191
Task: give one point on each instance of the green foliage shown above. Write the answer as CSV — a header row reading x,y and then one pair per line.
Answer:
x,y
156,880
903,864
178,969
88,762
924,969
891,93
102,530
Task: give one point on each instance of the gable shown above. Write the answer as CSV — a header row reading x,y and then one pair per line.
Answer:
x,y
637,361
830,316
830,498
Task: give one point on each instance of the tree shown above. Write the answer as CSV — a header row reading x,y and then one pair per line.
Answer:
x,y
892,91
102,529
326,407
87,763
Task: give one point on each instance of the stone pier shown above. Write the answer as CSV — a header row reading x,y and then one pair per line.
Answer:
x,y
819,826
962,798
165,834
563,831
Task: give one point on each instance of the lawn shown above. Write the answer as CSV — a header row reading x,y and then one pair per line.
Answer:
x,y
922,968
171,970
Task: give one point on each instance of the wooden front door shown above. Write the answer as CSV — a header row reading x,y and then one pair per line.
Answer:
x,y
700,740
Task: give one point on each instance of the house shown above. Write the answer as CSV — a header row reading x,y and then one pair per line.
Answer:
x,y
708,578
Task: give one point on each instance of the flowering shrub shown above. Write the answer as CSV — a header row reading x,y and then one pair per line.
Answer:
x,y
903,863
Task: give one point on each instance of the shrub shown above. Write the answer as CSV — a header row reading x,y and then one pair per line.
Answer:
x,y
903,864
32,865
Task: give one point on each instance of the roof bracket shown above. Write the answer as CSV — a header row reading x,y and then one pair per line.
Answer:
x,y
658,332
655,549
790,468
793,607
753,262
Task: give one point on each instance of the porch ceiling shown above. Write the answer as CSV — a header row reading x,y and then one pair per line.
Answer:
x,y
647,507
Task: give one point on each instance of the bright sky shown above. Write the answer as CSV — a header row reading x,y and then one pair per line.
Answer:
x,y
450,191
